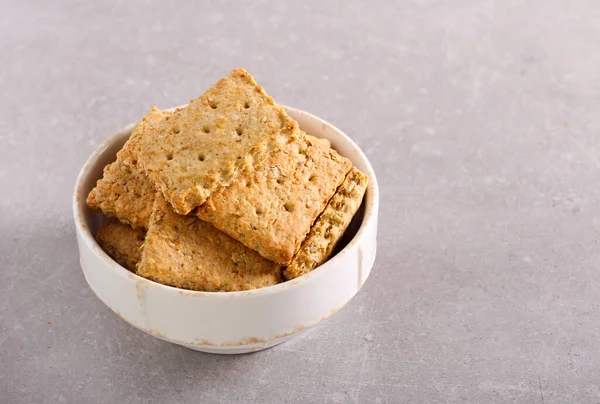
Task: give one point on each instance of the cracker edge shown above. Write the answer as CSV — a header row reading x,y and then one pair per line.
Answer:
x,y
111,248
338,220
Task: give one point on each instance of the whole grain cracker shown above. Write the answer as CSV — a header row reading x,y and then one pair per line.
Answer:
x,y
329,228
146,127
185,252
233,126
324,141
270,209
124,191
121,242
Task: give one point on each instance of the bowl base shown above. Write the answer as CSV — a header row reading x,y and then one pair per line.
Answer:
x,y
234,349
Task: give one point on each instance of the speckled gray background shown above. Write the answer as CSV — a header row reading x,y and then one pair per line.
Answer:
x,y
481,119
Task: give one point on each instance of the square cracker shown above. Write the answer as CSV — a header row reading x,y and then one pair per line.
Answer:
x,y
329,228
232,127
124,191
121,242
270,209
185,252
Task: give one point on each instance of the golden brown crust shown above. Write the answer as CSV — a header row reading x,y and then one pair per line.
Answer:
x,y
270,209
184,252
121,242
124,191
233,126
146,127
330,226
324,141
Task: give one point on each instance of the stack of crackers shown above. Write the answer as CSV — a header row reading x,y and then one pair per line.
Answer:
x,y
225,194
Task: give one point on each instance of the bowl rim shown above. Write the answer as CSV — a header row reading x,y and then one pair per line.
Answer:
x,y
370,215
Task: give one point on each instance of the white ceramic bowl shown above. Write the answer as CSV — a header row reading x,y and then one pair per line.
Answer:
x,y
228,322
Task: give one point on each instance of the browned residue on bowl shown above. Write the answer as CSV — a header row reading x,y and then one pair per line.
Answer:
x,y
139,293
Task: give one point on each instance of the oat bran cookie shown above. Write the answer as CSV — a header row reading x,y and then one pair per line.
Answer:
x,y
330,226
124,191
121,242
185,252
233,126
146,127
270,209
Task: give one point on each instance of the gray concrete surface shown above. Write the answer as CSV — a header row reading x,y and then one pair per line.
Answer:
x,y
481,119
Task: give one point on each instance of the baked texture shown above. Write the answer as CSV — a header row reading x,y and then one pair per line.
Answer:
x,y
329,228
324,141
124,191
233,126
121,242
185,252
147,126
270,209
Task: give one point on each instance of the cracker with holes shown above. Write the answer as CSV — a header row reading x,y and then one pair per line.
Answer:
x,y
329,228
124,191
185,252
271,208
121,242
232,127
